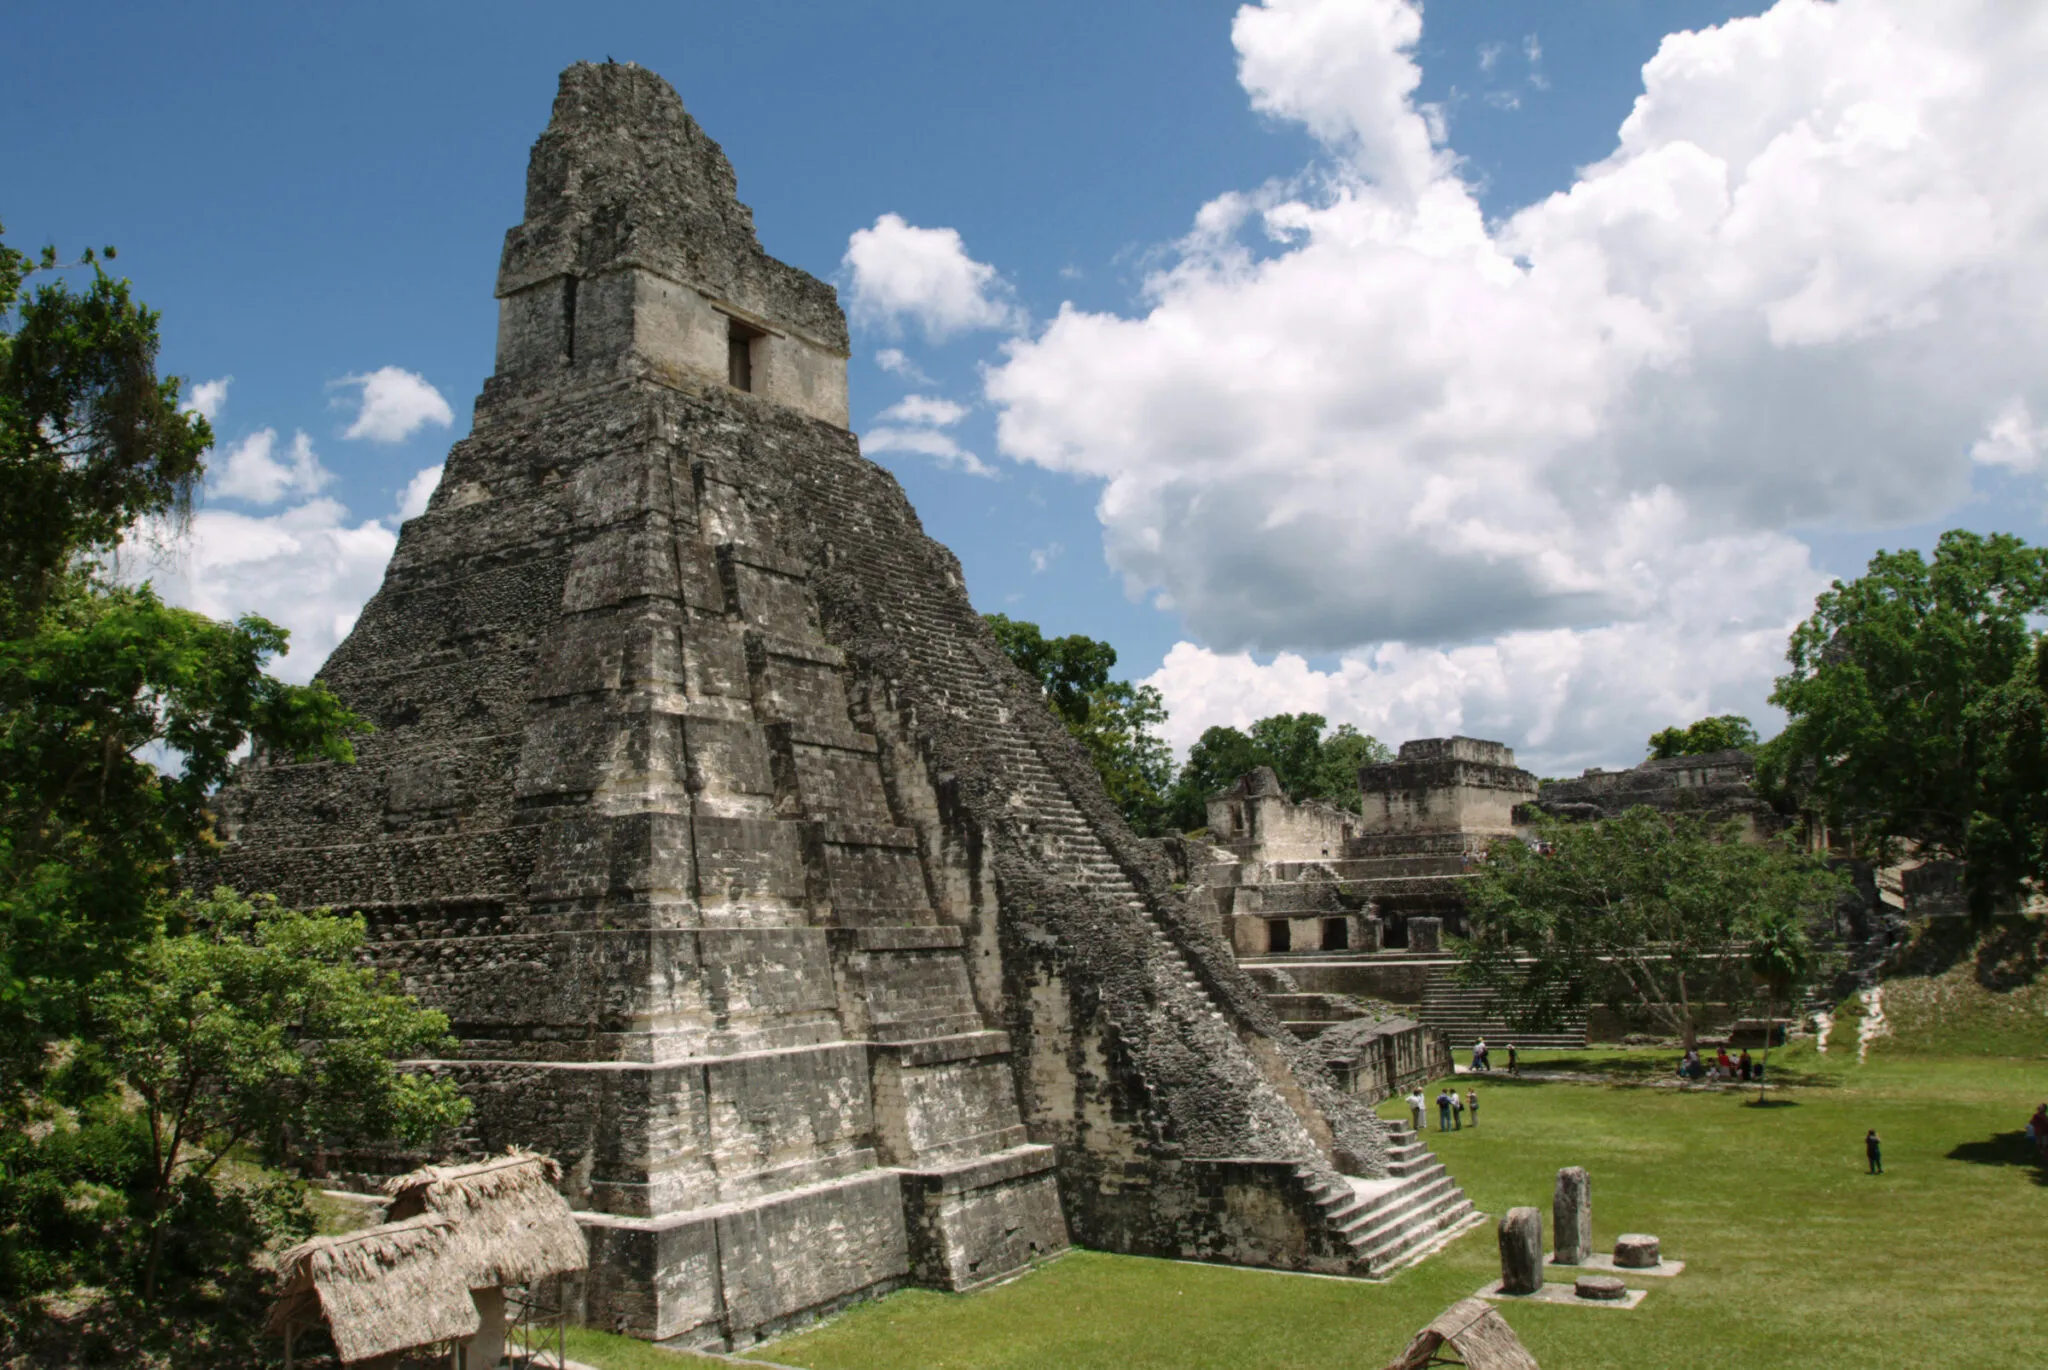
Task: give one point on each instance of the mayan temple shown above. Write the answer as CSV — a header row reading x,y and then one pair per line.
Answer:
x,y
762,891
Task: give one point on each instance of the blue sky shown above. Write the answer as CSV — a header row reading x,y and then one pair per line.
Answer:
x,y
313,196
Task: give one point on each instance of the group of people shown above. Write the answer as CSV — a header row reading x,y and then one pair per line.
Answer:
x,y
1450,1109
1721,1068
1482,1057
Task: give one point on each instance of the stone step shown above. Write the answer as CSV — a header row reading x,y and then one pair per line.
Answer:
x,y
1422,1238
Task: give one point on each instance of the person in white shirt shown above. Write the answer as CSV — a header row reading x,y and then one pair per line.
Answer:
x,y
1415,1106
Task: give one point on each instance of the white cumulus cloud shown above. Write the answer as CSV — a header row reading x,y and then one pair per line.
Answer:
x,y
394,404
1804,290
913,424
412,501
208,398
894,361
925,409
308,569
253,471
923,275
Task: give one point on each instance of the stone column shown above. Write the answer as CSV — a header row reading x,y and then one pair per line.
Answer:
x,y
1521,1251
1425,934
1372,933
1571,1216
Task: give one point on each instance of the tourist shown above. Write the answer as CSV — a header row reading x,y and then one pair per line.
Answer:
x,y
1744,1065
1472,1102
1479,1054
1514,1065
1443,1111
1415,1108
1722,1064
1458,1109
2037,1131
1871,1149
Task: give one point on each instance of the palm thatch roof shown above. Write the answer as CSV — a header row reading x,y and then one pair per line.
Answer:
x,y
511,1226
381,1289
1479,1336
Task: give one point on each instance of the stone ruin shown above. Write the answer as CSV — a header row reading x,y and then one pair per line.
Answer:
x,y
1313,877
762,891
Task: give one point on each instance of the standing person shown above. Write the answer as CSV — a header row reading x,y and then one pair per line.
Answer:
x,y
1743,1065
1443,1111
1457,1108
1472,1102
1872,1149
1479,1054
1415,1108
1514,1065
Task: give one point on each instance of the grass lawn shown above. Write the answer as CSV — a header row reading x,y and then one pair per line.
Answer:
x,y
1797,1257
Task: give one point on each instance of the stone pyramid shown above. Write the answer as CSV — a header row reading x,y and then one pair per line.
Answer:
x,y
763,892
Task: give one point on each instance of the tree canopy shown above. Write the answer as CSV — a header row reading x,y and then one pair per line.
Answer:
x,y
155,1049
100,680
1721,733
1638,913
1915,710
1115,720
1119,723
1312,761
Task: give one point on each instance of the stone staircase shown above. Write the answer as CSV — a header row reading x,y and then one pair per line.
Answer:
x,y
1395,1222
1466,1013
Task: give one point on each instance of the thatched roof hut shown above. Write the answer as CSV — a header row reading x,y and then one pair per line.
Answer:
x,y
381,1289
1472,1332
511,1226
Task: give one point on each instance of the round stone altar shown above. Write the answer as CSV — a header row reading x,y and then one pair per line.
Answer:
x,y
1636,1251
1604,1287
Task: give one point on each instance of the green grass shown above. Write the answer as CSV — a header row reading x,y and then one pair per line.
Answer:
x,y
1797,1257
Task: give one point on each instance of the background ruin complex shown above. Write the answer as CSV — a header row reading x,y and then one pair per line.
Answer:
x,y
764,893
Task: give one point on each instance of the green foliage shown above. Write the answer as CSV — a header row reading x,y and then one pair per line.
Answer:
x,y
1310,763
1915,702
1072,670
1116,721
89,828
91,439
259,1027
96,678
1638,912
1721,733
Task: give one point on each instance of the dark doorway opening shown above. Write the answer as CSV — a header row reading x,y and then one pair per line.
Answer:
x,y
739,354
1336,934
1279,935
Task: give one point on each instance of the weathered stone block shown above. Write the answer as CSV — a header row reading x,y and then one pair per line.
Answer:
x,y
1521,1251
1571,1216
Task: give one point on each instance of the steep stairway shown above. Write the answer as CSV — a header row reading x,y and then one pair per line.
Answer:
x,y
1467,1013
1395,1222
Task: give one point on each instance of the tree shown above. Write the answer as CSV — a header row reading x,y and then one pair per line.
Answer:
x,y
1914,705
1070,670
1781,958
257,1027
94,677
1308,763
1114,720
1644,913
91,440
1721,733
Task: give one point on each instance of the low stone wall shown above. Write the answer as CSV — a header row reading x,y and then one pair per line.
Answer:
x,y
1378,1060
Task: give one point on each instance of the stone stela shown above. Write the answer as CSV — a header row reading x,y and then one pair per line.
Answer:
x,y
762,891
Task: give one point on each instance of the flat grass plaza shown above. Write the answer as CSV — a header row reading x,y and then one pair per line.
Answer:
x,y
1795,1255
